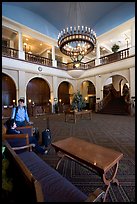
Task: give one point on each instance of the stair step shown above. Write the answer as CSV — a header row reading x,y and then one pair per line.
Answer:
x,y
115,107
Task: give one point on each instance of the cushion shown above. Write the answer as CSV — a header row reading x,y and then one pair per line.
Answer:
x,y
55,187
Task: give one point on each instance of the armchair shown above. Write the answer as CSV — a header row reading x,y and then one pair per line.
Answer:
x,y
19,141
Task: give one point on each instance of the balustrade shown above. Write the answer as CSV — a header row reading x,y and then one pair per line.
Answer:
x,y
13,53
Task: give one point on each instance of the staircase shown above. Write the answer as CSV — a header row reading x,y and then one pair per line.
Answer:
x,y
116,106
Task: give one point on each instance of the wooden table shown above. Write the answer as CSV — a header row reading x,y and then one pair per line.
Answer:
x,y
76,113
95,157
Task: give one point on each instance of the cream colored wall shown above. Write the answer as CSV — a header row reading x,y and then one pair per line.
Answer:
x,y
132,81
22,72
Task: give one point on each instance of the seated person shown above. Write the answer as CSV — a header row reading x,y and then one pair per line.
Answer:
x,y
32,140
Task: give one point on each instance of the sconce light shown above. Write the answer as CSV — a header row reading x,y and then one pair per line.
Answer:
x,y
86,98
30,52
29,100
25,45
60,100
55,99
13,101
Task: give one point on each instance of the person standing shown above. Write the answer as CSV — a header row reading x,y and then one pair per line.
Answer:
x,y
20,114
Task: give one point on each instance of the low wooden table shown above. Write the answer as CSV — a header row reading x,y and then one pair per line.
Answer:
x,y
90,155
76,113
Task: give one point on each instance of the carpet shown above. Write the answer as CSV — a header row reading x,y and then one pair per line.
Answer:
x,y
113,131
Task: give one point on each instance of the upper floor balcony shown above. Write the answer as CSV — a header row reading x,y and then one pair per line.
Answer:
x,y
36,59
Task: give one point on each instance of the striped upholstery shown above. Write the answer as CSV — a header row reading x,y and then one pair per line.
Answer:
x,y
55,187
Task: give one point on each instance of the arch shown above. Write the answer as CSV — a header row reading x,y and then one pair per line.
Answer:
x,y
41,77
8,90
65,93
88,91
38,96
118,81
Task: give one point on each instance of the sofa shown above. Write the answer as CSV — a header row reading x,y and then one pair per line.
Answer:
x,y
39,182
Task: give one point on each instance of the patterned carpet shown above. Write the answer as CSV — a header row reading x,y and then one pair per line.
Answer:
x,y
113,131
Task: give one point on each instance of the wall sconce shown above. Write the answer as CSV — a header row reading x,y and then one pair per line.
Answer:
x,y
60,100
30,52
29,100
86,98
13,101
25,45
55,99
50,100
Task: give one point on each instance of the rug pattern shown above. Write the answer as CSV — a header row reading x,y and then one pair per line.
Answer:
x,y
113,131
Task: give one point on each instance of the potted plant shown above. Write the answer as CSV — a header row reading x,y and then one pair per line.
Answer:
x,y
115,48
78,103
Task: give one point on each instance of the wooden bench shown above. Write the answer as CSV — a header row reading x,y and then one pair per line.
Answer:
x,y
27,131
42,182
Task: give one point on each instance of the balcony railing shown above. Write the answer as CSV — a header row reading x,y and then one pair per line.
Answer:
x,y
115,56
13,53
9,52
38,59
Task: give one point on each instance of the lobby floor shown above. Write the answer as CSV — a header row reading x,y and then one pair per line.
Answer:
x,y
112,131
117,131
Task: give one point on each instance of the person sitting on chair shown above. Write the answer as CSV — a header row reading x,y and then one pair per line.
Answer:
x,y
32,140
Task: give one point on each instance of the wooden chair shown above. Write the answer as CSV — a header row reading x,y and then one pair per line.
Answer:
x,y
27,132
26,129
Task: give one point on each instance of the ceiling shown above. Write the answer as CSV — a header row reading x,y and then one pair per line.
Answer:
x,y
62,14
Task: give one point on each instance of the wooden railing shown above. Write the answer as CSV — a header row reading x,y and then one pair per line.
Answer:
x,y
9,52
115,56
115,93
71,65
38,59
101,104
13,53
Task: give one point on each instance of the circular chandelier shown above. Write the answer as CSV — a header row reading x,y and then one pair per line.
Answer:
x,y
76,42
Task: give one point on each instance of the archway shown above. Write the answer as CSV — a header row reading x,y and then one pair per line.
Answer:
x,y
38,96
8,90
8,95
113,98
65,92
115,82
89,94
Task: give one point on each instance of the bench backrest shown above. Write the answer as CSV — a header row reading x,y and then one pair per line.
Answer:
x,y
26,129
34,186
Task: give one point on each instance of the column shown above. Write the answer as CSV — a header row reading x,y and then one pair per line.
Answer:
x,y
22,85
132,50
55,92
20,47
99,91
54,62
97,61
132,81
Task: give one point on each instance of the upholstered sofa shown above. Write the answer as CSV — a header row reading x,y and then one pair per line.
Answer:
x,y
42,182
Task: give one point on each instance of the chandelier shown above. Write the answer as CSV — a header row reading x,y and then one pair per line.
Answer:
x,y
76,41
